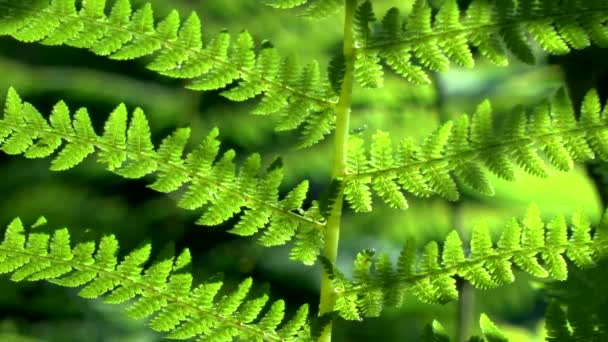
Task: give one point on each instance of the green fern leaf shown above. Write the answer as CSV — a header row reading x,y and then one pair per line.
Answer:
x,y
162,289
456,48
369,304
481,13
412,180
281,230
364,16
316,127
391,24
273,317
368,70
456,150
268,63
437,39
113,39
490,330
481,247
74,153
296,113
557,236
115,135
437,175
170,152
452,250
142,23
284,3
47,143
546,35
177,50
213,184
382,158
138,142
357,193
556,323
532,237
515,40
590,115
319,9
435,332
336,71
432,280
297,323
581,229
471,174
251,309
563,115
481,244
596,29
406,264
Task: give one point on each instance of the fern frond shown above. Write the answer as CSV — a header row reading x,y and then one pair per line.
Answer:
x,y
346,305
436,40
459,149
319,9
313,9
557,324
162,290
284,3
125,147
435,332
431,277
490,331
177,51
577,309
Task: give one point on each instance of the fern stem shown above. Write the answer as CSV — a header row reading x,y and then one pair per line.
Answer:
x,y
332,232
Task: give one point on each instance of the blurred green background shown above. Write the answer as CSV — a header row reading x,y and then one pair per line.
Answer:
x,y
88,197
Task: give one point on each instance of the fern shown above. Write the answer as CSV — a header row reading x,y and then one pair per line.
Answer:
x,y
435,332
460,148
292,94
163,289
314,9
576,310
316,101
430,277
436,40
129,153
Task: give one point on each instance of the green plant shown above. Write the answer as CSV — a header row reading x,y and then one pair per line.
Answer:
x,y
318,104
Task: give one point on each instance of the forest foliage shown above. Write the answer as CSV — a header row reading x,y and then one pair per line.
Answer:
x,y
323,164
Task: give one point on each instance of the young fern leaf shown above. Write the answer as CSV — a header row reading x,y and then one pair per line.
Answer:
x,y
125,147
178,51
436,40
162,290
431,277
459,149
